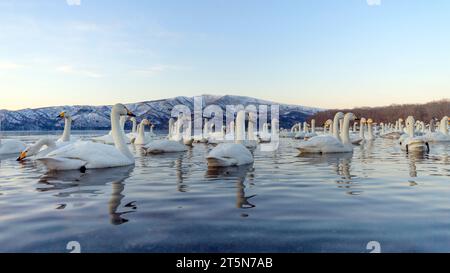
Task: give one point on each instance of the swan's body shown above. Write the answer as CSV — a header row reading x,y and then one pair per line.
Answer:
x,y
439,136
165,146
89,155
411,143
173,144
331,144
232,154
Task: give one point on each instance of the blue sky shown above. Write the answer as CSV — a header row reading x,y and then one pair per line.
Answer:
x,y
325,53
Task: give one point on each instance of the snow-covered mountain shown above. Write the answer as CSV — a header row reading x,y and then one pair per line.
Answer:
x,y
158,112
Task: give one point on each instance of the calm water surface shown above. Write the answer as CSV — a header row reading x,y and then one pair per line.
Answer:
x,y
283,203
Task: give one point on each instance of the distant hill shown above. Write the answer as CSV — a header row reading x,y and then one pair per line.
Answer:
x,y
424,112
158,111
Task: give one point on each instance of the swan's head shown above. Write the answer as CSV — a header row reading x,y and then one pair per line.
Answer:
x,y
362,120
133,119
23,155
64,115
146,122
122,110
369,121
339,115
350,116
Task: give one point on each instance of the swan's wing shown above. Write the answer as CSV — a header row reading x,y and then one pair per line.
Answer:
x,y
233,154
320,144
95,155
165,146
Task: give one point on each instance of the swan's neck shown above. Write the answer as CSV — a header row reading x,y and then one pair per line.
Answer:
x,y
336,127
142,130
67,129
41,143
361,129
251,132
345,130
313,126
411,128
134,126
369,129
444,125
240,127
118,136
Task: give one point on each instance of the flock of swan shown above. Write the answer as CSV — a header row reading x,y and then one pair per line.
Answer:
x,y
233,144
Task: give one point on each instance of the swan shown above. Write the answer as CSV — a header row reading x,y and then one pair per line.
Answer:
x,y
134,132
142,138
264,136
331,144
84,155
67,127
109,139
232,154
411,143
440,136
37,150
313,130
301,134
168,145
354,137
370,135
251,142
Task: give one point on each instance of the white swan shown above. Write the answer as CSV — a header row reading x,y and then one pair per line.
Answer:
x,y
134,132
84,155
370,135
440,136
109,139
328,143
67,127
142,138
168,145
358,138
264,136
313,130
232,154
411,143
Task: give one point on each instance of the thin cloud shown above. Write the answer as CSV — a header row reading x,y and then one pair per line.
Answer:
x,y
73,2
373,2
158,69
68,69
10,66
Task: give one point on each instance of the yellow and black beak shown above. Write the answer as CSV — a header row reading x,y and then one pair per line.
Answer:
x,y
130,114
62,115
22,156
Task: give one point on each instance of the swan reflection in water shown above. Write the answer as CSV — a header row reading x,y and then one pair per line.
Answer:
x,y
238,173
340,163
70,183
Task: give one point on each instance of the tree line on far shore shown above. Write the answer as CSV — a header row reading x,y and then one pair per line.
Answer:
x,y
424,112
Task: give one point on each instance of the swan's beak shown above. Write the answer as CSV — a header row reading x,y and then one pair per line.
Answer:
x,y
130,114
61,115
22,156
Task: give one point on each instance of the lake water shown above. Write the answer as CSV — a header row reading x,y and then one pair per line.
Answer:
x,y
283,203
